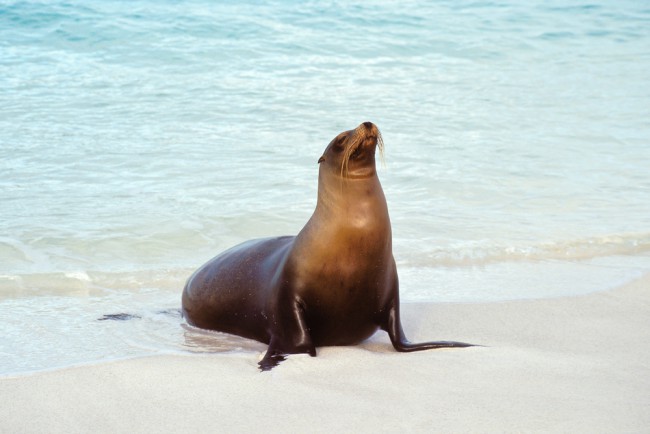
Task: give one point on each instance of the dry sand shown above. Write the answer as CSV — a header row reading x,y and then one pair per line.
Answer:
x,y
579,364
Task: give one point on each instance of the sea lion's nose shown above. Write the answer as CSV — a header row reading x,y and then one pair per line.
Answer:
x,y
368,125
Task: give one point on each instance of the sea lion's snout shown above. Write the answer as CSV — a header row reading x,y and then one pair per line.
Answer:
x,y
368,136
365,135
367,129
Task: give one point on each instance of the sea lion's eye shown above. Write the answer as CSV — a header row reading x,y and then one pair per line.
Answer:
x,y
338,144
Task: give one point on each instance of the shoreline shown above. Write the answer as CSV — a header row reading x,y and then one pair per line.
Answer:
x,y
574,363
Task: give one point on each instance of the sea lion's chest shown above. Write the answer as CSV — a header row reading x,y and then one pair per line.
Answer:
x,y
342,294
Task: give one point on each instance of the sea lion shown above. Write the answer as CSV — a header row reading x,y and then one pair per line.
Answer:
x,y
335,283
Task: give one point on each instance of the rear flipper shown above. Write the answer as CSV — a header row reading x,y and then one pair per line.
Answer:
x,y
393,326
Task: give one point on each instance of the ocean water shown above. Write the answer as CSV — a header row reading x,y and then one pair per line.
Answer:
x,y
139,139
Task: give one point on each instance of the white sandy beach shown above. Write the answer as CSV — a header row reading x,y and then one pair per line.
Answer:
x,y
578,364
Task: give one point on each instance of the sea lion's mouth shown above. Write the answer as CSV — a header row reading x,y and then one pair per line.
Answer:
x,y
356,153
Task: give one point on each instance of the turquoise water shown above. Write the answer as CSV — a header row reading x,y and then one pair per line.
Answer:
x,y
138,139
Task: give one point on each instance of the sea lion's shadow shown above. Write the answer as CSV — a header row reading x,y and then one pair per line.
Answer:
x,y
198,340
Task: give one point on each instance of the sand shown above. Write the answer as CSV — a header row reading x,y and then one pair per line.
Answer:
x,y
578,364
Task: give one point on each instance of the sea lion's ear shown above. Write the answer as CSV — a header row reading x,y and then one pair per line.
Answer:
x,y
321,159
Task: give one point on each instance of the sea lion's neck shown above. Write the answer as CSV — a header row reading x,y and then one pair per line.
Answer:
x,y
357,203
351,216
349,210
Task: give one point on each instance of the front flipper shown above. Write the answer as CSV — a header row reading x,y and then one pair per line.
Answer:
x,y
289,336
272,358
393,326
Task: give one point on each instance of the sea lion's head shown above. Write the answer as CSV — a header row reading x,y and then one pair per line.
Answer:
x,y
351,154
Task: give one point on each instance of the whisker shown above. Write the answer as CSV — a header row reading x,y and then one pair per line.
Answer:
x,y
380,145
350,147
